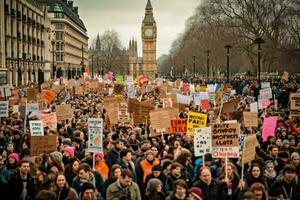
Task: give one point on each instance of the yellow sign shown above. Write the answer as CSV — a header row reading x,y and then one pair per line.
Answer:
x,y
195,120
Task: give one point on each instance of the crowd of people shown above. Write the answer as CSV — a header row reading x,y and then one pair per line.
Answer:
x,y
135,166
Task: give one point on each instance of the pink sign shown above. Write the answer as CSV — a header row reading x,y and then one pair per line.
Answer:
x,y
185,86
269,125
265,103
110,75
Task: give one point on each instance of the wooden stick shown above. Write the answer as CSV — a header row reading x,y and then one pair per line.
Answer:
x,y
226,166
203,160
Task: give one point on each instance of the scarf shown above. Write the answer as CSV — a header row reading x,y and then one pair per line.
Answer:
x,y
269,175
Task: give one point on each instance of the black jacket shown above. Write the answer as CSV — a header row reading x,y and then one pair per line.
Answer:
x,y
278,187
210,191
15,187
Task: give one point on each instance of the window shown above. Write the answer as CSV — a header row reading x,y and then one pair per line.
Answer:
x,y
58,15
59,26
59,57
59,35
59,46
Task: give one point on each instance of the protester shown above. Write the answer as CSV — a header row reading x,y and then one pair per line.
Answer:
x,y
154,190
62,189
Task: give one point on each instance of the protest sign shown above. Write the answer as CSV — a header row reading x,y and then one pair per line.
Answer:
x,y
123,114
195,120
225,135
253,107
63,112
250,143
295,101
250,119
31,93
36,128
160,118
204,104
183,99
48,96
95,128
285,76
15,109
31,107
3,108
230,106
5,91
13,101
42,145
167,102
211,88
178,125
79,90
263,103
202,141
265,85
269,125
266,93
49,120
225,152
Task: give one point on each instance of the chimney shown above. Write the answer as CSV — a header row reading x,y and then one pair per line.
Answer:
x,y
75,9
70,3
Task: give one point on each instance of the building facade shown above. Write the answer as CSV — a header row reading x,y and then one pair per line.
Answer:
x,y
145,65
69,40
24,35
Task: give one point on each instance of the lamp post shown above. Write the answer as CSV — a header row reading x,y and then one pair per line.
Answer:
x,y
194,66
228,47
259,41
53,66
207,65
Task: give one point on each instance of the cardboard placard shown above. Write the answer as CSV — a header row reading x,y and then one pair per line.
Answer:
x,y
123,114
250,119
230,106
285,76
79,90
225,135
250,143
160,118
95,128
49,119
48,95
4,109
295,101
63,112
167,102
42,145
178,125
36,128
202,141
183,99
31,93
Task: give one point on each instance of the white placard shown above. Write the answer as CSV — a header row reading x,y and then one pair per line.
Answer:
x,y
95,127
211,88
31,107
223,152
110,91
265,85
15,109
7,91
3,108
183,99
36,128
266,93
253,107
202,141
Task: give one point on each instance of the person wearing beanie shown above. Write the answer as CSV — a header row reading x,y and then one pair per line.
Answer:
x,y
12,163
156,173
195,193
100,165
270,172
154,190
55,160
68,154
87,192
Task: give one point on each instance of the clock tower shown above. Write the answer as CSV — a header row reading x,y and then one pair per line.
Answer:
x,y
149,35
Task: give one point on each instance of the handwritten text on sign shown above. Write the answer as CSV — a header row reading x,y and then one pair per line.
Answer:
x,y
196,120
178,126
225,135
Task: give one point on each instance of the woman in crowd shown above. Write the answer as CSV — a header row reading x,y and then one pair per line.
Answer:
x,y
154,190
179,191
255,176
62,189
71,170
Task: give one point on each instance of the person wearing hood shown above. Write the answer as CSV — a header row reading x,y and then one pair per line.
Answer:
x,y
270,172
154,190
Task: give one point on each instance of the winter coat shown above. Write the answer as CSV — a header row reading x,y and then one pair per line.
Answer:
x,y
210,191
115,192
278,187
95,179
112,157
66,193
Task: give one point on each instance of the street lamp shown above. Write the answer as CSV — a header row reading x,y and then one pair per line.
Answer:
x,y
259,41
228,47
53,66
207,51
194,66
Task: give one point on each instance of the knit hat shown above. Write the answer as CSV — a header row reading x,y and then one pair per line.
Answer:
x,y
294,154
70,150
100,154
85,186
56,156
197,192
285,142
14,156
67,141
156,168
269,162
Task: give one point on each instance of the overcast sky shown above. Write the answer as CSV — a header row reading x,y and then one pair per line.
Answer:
x,y
125,16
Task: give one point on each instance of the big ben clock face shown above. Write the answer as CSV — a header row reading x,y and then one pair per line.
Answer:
x,y
149,32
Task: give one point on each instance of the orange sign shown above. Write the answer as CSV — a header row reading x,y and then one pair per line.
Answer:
x,y
49,95
178,126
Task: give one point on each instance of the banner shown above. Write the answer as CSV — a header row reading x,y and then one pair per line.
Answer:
x,y
250,119
250,144
4,108
42,145
269,125
49,120
202,141
95,128
63,112
36,128
178,125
